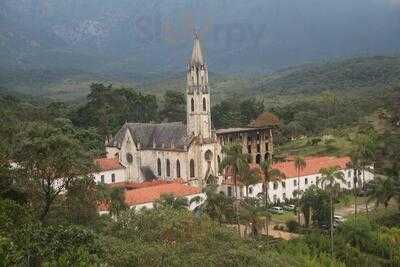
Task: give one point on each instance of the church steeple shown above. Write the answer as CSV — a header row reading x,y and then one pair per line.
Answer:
x,y
197,54
197,93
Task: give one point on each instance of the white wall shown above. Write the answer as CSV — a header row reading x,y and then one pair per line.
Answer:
x,y
280,193
120,176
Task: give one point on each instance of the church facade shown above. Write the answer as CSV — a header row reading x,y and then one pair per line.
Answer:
x,y
173,150
189,152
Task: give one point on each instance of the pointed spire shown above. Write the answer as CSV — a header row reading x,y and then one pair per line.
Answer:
x,y
197,55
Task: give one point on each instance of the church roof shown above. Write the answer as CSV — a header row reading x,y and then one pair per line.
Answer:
x,y
197,54
238,130
106,164
171,135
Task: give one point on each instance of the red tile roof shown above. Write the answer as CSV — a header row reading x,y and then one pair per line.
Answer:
x,y
314,165
146,192
108,164
153,192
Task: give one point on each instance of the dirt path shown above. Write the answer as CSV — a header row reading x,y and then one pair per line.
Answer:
x,y
349,210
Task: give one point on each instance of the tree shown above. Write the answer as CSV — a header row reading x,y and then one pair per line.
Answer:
x,y
254,215
249,177
300,164
174,106
294,129
383,189
315,204
217,205
236,161
329,178
117,201
355,165
270,175
48,162
170,201
81,201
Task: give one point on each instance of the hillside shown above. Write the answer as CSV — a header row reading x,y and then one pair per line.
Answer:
x,y
351,74
361,74
138,37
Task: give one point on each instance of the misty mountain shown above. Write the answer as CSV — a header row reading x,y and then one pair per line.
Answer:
x,y
132,38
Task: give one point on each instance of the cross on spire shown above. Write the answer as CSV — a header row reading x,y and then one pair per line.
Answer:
x,y
197,54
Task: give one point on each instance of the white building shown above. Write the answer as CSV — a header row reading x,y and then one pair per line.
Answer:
x,y
284,189
151,151
109,171
190,152
143,195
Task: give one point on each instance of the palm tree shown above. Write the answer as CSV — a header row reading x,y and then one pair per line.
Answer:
x,y
237,162
254,215
270,175
300,164
217,205
249,177
170,201
365,147
385,187
329,179
355,165
364,154
381,190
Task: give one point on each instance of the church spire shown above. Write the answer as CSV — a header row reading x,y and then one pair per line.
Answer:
x,y
197,55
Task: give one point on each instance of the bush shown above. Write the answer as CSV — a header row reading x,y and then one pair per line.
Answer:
x,y
293,226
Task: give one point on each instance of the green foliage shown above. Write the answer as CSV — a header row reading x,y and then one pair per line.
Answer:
x,y
315,202
108,108
293,226
234,112
174,106
170,201
218,206
81,200
48,162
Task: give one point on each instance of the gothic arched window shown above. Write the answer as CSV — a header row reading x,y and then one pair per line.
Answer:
x,y
178,169
159,167
192,105
258,159
192,168
219,163
204,104
168,168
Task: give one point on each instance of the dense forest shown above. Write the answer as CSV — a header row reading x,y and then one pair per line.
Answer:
x,y
42,227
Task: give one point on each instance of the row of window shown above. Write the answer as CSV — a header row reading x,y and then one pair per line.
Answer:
x,y
178,168
249,148
258,158
204,104
306,182
103,179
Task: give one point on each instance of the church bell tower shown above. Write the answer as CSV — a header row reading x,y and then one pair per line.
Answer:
x,y
198,94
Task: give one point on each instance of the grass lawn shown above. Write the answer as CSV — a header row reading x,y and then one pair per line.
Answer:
x,y
348,201
283,218
302,147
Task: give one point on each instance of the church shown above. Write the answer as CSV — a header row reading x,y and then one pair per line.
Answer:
x,y
189,152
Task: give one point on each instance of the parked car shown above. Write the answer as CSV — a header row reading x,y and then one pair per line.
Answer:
x,y
338,219
363,193
289,207
276,210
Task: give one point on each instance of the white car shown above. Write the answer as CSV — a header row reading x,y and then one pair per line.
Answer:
x,y
289,207
339,219
277,210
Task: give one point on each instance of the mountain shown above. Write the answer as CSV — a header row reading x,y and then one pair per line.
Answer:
x,y
139,39
361,73
344,76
